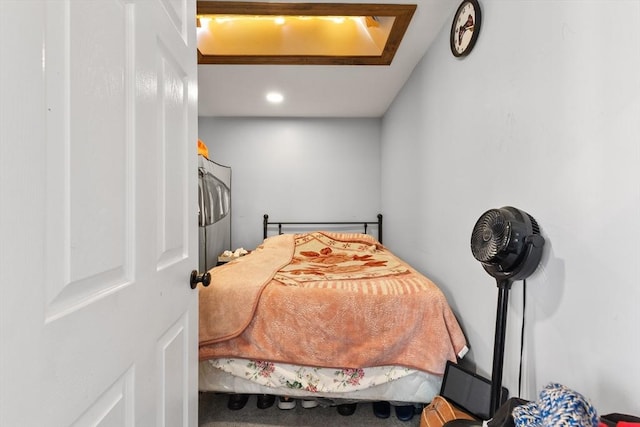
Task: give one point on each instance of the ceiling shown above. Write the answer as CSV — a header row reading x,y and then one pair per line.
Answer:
x,y
230,90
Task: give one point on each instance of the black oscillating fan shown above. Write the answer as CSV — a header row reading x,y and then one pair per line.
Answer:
x,y
508,243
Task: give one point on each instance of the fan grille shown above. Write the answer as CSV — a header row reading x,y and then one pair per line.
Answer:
x,y
490,235
534,225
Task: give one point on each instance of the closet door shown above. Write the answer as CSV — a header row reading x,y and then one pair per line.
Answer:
x,y
98,213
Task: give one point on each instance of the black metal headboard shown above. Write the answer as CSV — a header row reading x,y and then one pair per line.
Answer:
x,y
365,224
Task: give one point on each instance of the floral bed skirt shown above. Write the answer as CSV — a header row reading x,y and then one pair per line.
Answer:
x,y
391,383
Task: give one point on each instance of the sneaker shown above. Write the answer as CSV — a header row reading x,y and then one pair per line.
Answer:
x,y
308,404
286,403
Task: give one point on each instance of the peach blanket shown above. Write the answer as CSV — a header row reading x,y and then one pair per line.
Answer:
x,y
328,300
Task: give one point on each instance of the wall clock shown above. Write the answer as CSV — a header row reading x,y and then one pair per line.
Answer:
x,y
465,27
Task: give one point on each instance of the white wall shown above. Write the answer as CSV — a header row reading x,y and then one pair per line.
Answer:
x,y
544,115
296,170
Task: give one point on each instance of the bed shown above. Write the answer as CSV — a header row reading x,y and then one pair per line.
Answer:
x,y
326,315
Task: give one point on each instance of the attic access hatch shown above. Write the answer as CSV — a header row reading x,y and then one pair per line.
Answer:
x,y
300,33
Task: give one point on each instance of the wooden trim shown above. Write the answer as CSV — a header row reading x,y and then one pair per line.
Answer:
x,y
402,13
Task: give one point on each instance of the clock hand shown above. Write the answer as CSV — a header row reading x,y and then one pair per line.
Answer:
x,y
469,25
463,29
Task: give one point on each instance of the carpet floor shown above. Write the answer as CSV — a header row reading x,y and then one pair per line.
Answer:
x,y
213,412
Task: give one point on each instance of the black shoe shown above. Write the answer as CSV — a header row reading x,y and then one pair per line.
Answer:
x,y
237,401
381,409
347,409
405,412
265,401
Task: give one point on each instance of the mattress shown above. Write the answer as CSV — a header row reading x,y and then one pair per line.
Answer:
x,y
279,320
331,385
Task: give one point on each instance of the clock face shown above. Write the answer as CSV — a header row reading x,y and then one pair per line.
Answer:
x,y
465,27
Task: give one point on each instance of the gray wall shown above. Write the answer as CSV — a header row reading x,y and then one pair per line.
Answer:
x,y
544,115
296,170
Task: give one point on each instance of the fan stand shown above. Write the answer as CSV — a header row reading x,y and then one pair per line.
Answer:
x,y
498,346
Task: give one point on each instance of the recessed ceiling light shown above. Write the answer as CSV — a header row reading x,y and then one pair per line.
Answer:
x,y
274,97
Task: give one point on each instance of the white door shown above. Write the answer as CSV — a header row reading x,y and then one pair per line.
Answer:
x,y
98,213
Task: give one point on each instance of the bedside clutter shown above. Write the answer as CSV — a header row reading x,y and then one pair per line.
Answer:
x,y
227,256
464,396
619,420
557,405
441,412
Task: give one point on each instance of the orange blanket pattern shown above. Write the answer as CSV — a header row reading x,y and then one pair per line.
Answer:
x,y
328,300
